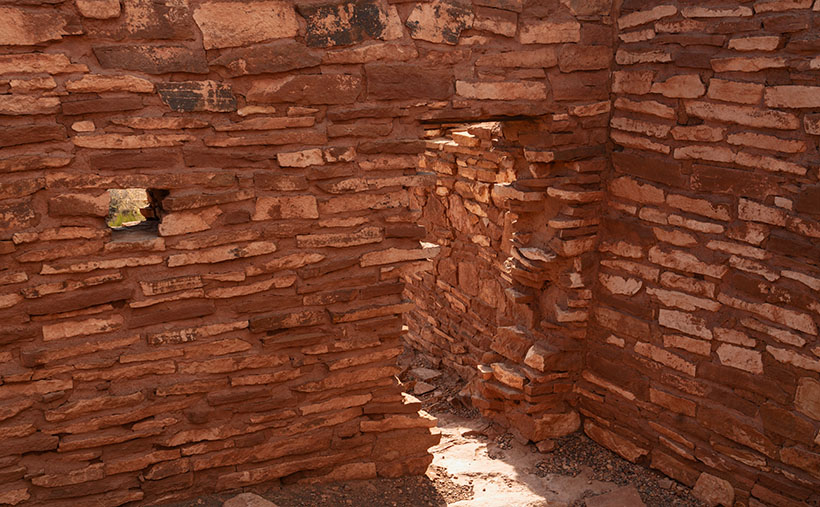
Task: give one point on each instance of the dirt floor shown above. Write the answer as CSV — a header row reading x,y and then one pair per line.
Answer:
x,y
478,464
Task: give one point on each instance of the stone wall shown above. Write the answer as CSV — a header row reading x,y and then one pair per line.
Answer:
x,y
703,359
506,301
248,334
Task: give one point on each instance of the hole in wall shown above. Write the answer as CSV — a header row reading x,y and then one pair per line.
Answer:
x,y
134,209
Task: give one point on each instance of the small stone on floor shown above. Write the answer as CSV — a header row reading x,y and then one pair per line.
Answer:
x,y
423,388
425,373
626,496
248,500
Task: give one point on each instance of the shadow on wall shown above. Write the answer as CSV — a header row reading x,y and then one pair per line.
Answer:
x,y
505,303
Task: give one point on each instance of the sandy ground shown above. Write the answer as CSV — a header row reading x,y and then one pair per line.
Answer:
x,y
478,464
475,465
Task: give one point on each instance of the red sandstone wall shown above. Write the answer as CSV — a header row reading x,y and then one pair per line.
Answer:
x,y
703,359
252,337
505,303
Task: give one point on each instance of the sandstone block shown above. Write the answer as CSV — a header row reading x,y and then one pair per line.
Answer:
x,y
633,190
793,358
277,208
28,27
541,57
36,63
755,43
497,21
577,57
622,323
714,491
125,142
99,9
440,21
27,134
620,285
748,64
708,12
632,82
371,52
743,115
277,56
348,23
191,96
733,91
17,216
152,59
81,328
740,358
811,123
23,104
665,357
222,254
304,158
79,204
674,403
807,399
503,90
307,88
627,57
793,97
401,81
624,447
228,24
803,459
688,86
392,255
365,236
95,83
638,18
549,32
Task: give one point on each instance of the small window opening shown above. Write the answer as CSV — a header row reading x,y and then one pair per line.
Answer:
x,y
134,208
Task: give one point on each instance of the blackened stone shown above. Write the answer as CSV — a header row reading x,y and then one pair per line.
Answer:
x,y
190,96
345,24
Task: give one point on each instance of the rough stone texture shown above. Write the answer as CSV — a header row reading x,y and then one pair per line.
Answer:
x,y
231,24
720,236
645,260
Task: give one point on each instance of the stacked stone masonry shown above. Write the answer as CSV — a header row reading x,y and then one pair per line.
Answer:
x,y
704,358
623,237
252,336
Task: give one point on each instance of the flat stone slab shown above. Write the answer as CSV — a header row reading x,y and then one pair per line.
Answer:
x,y
425,374
626,496
248,500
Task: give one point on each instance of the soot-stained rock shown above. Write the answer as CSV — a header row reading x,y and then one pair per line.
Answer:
x,y
341,25
160,59
280,56
441,21
190,96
